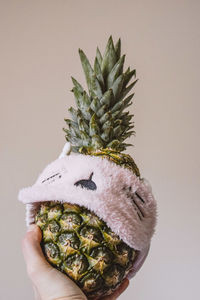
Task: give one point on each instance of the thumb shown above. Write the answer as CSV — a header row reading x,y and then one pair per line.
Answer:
x,y
34,258
50,283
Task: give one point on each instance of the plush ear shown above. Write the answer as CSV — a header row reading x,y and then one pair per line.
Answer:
x,y
66,150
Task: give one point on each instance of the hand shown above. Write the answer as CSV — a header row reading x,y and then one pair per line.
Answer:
x,y
49,283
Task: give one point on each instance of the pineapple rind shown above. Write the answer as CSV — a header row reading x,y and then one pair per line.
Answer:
x,y
86,250
121,159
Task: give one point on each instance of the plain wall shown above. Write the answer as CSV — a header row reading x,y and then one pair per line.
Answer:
x,y
39,43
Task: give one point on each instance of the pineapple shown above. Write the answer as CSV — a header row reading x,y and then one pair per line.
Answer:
x,y
82,246
75,240
96,229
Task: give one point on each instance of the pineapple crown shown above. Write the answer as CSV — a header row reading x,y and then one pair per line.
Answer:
x,y
100,120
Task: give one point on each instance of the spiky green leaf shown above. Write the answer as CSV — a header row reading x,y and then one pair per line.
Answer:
x,y
109,58
115,72
87,68
98,73
107,98
125,91
127,76
97,142
96,90
114,144
73,113
108,124
95,105
77,85
117,86
107,134
118,48
107,116
94,127
102,110
117,131
99,56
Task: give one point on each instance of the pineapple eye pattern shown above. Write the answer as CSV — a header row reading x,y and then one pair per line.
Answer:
x,y
87,183
137,202
83,247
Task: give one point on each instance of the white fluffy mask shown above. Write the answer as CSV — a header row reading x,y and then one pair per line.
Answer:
x,y
116,195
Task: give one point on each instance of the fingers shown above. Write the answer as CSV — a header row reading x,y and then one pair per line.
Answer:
x,y
32,251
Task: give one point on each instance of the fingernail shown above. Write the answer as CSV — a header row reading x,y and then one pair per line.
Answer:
x,y
31,227
126,282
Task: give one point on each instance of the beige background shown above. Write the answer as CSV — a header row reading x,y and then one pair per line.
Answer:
x,y
38,54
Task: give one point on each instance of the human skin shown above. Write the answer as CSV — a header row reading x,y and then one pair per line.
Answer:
x,y
49,283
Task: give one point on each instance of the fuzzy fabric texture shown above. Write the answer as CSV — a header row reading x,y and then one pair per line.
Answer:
x,y
124,201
